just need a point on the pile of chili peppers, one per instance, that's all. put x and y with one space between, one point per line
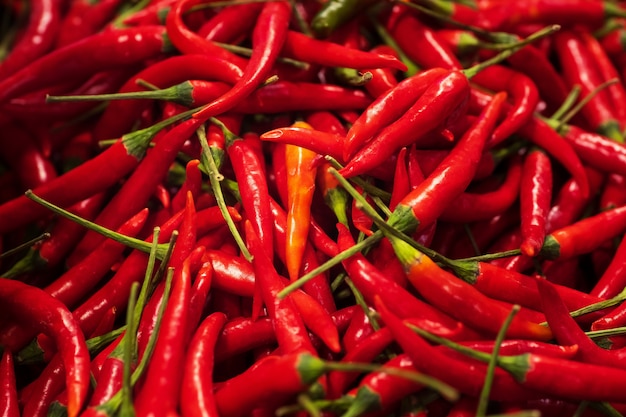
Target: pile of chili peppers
312 207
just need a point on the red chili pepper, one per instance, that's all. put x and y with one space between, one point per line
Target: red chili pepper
258 386
422 206
43 390
323 143
38 37
120 115
383 79
84 18
231 23
580 68
567 332
80 60
522 92
463 375
32 306
189 42
372 283
535 199
512 347
268 38
469 207
192 183
387 108
163 379
139 186
585 235
290 330
420 42
8 387
22 155
380 391
196 398
322 52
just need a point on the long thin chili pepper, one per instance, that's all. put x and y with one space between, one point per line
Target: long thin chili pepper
138 187
579 68
99 173
268 38
420 207
197 389
522 93
43 24
535 199
372 283
462 375
567 331
585 235
469 207
290 330
37 308
611 282
8 384
230 23
84 19
105 50
159 392
301 175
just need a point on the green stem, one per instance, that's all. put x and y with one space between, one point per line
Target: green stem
489 256
336 260
126 406
472 71
616 331
247 52
215 177
118 237
412 67
25 245
618 299
366 186
360 301
483 400
567 104
444 389
582 103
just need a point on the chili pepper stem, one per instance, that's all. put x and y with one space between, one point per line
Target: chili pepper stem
173 93
215 177
126 240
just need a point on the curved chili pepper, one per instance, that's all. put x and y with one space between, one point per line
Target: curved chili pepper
290 330
120 115
8 387
38 37
196 398
230 23
161 387
192 183
521 91
470 207
584 235
535 198
268 38
372 283
33 306
189 42
323 143
139 186
422 206
465 376
512 347
421 43
387 108
43 390
383 79
98 52
84 18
